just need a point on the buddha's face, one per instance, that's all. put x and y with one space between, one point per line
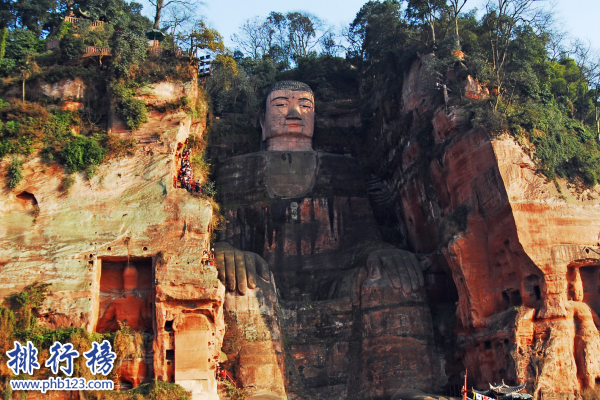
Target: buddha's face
288 122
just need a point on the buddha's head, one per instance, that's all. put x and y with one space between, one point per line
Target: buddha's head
288 118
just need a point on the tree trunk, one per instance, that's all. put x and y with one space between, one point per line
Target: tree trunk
456 23
23 89
159 6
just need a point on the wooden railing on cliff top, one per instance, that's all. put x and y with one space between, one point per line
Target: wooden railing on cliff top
91 51
75 20
52 44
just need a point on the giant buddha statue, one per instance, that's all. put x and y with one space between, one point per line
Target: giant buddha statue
317 304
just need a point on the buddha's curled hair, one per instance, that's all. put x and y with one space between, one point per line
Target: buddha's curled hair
294 86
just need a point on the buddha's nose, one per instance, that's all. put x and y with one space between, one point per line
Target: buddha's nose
293 113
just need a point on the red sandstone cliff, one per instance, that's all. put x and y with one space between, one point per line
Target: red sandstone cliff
526 267
124 246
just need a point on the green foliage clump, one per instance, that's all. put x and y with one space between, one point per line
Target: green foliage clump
82 152
14 173
132 110
72 47
234 393
118 147
454 223
129 51
20 126
31 297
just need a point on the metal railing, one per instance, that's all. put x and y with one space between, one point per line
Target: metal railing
227 376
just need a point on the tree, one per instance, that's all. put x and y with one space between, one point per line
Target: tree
34 14
427 12
179 19
372 24
161 5
254 38
329 44
501 19
279 45
456 6
201 37
7 14
377 32
303 29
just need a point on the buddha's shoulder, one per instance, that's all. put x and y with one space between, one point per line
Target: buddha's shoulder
258 177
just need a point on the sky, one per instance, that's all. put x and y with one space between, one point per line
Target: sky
580 18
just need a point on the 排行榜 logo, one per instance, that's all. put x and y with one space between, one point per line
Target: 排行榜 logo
100 359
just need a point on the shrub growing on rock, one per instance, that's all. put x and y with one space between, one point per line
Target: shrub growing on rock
81 153
14 173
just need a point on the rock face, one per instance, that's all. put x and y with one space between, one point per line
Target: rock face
523 258
124 246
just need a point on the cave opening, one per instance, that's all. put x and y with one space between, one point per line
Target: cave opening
26 198
28 203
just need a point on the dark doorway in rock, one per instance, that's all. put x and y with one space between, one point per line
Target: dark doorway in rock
532 290
590 277
168 326
515 298
537 292
505 300
170 359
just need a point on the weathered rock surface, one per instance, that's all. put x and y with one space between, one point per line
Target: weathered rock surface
524 258
124 246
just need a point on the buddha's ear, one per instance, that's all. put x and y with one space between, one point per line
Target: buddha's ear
261 121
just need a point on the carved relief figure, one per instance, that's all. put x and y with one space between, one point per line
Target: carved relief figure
300 231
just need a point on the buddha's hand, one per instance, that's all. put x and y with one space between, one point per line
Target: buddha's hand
240 269
401 267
